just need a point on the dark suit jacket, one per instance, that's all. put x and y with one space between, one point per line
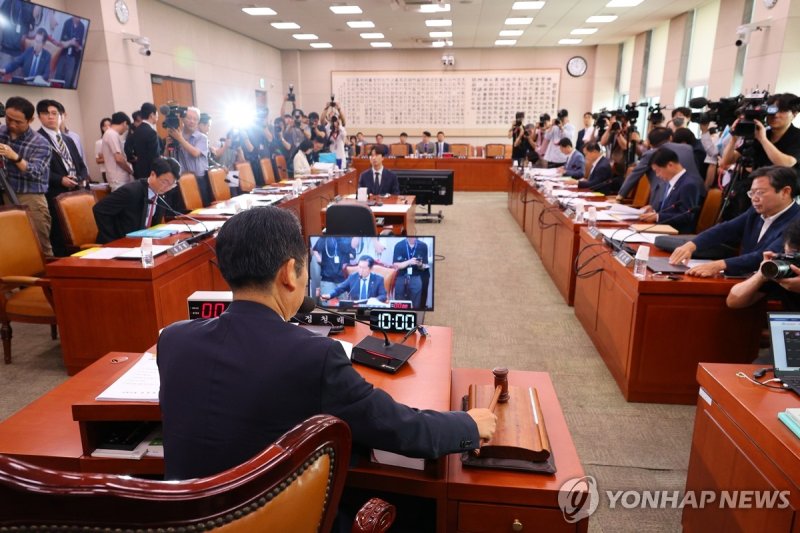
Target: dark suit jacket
742 232
600 178
232 385
57 168
124 211
352 286
389 183
575 165
25 60
440 152
686 158
146 147
682 207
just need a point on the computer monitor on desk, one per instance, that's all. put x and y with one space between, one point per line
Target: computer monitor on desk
360 273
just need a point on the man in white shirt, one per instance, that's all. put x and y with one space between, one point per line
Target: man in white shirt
118 171
560 129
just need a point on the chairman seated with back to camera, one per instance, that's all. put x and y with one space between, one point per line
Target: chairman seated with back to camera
362 284
231 385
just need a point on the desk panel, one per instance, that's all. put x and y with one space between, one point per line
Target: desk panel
471 174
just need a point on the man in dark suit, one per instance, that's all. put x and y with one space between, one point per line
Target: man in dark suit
144 142
35 60
231 385
67 169
362 284
378 180
657 138
135 205
441 146
601 177
757 230
683 196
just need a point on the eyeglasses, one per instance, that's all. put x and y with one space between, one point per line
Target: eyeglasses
753 193
167 182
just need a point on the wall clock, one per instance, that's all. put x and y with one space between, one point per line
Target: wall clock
576 67
121 11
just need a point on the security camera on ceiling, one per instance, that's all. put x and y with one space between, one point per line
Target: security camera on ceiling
143 42
744 31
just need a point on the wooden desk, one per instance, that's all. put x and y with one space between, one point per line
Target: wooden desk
490 500
404 223
471 174
652 333
739 444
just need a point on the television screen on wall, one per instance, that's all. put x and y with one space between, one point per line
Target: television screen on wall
40 46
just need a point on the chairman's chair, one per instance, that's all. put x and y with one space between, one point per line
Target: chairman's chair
399 149
266 170
460 150
388 274
294 485
247 180
283 170
24 295
219 187
74 211
495 151
350 219
190 191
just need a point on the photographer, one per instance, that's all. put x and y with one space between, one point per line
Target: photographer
332 109
336 135
537 139
279 145
519 146
709 136
191 146
559 129
230 151
758 286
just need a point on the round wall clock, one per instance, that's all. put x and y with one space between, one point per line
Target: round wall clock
121 11
576 66
769 4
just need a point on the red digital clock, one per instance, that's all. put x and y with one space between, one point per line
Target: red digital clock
208 304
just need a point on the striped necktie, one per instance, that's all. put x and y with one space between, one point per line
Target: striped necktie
62 149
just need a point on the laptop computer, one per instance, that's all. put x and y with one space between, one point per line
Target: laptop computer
660 265
784 334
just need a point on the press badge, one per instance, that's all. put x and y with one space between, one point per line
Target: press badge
19 28
336 259
410 271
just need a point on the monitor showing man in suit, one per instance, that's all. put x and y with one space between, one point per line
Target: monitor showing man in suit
362 284
34 62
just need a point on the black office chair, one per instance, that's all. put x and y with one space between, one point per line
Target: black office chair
350 219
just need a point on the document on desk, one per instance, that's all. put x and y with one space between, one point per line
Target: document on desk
392 208
108 252
140 383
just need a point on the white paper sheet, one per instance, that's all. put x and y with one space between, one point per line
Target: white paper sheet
140 383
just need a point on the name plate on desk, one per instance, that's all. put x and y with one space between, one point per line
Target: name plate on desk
623 257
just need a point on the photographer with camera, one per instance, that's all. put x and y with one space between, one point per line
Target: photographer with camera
776 277
336 136
190 145
519 144
709 136
230 150
559 129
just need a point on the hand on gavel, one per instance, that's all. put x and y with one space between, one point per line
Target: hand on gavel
486 421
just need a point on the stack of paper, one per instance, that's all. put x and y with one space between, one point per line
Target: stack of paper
121 253
791 418
140 383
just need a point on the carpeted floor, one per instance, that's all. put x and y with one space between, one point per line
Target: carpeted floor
493 291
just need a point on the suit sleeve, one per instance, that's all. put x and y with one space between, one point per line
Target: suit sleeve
341 288
106 211
637 173
377 421
749 262
577 168
729 232
602 173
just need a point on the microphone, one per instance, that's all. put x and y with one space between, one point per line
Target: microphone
696 103
185 244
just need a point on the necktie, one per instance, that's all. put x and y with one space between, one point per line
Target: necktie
363 295
62 149
151 210
34 65
664 200
377 183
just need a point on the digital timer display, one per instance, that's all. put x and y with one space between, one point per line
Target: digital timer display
208 304
394 321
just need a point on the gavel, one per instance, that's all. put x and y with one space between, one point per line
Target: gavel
500 393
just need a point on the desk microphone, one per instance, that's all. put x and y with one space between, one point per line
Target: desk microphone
184 244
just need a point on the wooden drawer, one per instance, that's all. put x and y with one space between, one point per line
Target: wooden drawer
483 518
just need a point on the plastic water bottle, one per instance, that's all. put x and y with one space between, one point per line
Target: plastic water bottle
147 253
591 218
298 186
579 210
640 262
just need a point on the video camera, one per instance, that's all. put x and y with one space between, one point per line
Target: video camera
779 266
172 119
656 116
723 112
631 113
291 96
601 118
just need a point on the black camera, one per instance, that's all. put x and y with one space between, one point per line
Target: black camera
518 118
291 96
173 118
236 138
779 266
656 116
723 112
631 113
754 109
2 110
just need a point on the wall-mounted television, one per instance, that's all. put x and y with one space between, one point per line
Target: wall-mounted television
40 46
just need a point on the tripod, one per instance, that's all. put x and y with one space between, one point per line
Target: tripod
731 195
6 186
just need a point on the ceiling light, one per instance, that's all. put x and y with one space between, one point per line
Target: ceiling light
434 8
285 25
624 3
376 35
321 45
518 21
258 11
440 34
438 23
380 44
305 36
438 44
583 31
570 41
519 6
361 24
601 19
346 10
505 42
511 33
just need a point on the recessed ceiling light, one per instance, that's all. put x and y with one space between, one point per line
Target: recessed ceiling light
321 45
583 31
380 44
440 34
519 6
434 8
438 44
438 23
285 25
361 24
601 19
346 10
518 21
259 11
511 33
376 35
505 42
305 36
624 3
570 41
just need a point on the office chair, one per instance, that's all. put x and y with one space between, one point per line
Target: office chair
495 151
708 215
24 296
247 180
283 170
190 191
219 187
266 170
642 195
74 211
460 150
350 219
293 485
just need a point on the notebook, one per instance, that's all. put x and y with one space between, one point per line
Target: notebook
784 334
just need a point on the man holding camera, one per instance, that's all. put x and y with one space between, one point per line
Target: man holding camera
191 146
559 129
519 144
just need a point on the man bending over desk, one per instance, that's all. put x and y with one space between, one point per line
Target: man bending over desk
232 385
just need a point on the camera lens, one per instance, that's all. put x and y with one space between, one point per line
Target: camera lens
776 270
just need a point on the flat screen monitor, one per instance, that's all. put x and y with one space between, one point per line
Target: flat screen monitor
362 273
40 46
430 187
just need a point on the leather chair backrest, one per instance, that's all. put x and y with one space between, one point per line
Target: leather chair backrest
350 219
642 195
190 191
247 181
74 210
366 149
283 170
710 211
266 170
20 252
460 150
398 150
219 187
495 150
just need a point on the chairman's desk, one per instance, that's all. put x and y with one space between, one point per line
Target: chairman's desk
470 174
739 444
48 432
